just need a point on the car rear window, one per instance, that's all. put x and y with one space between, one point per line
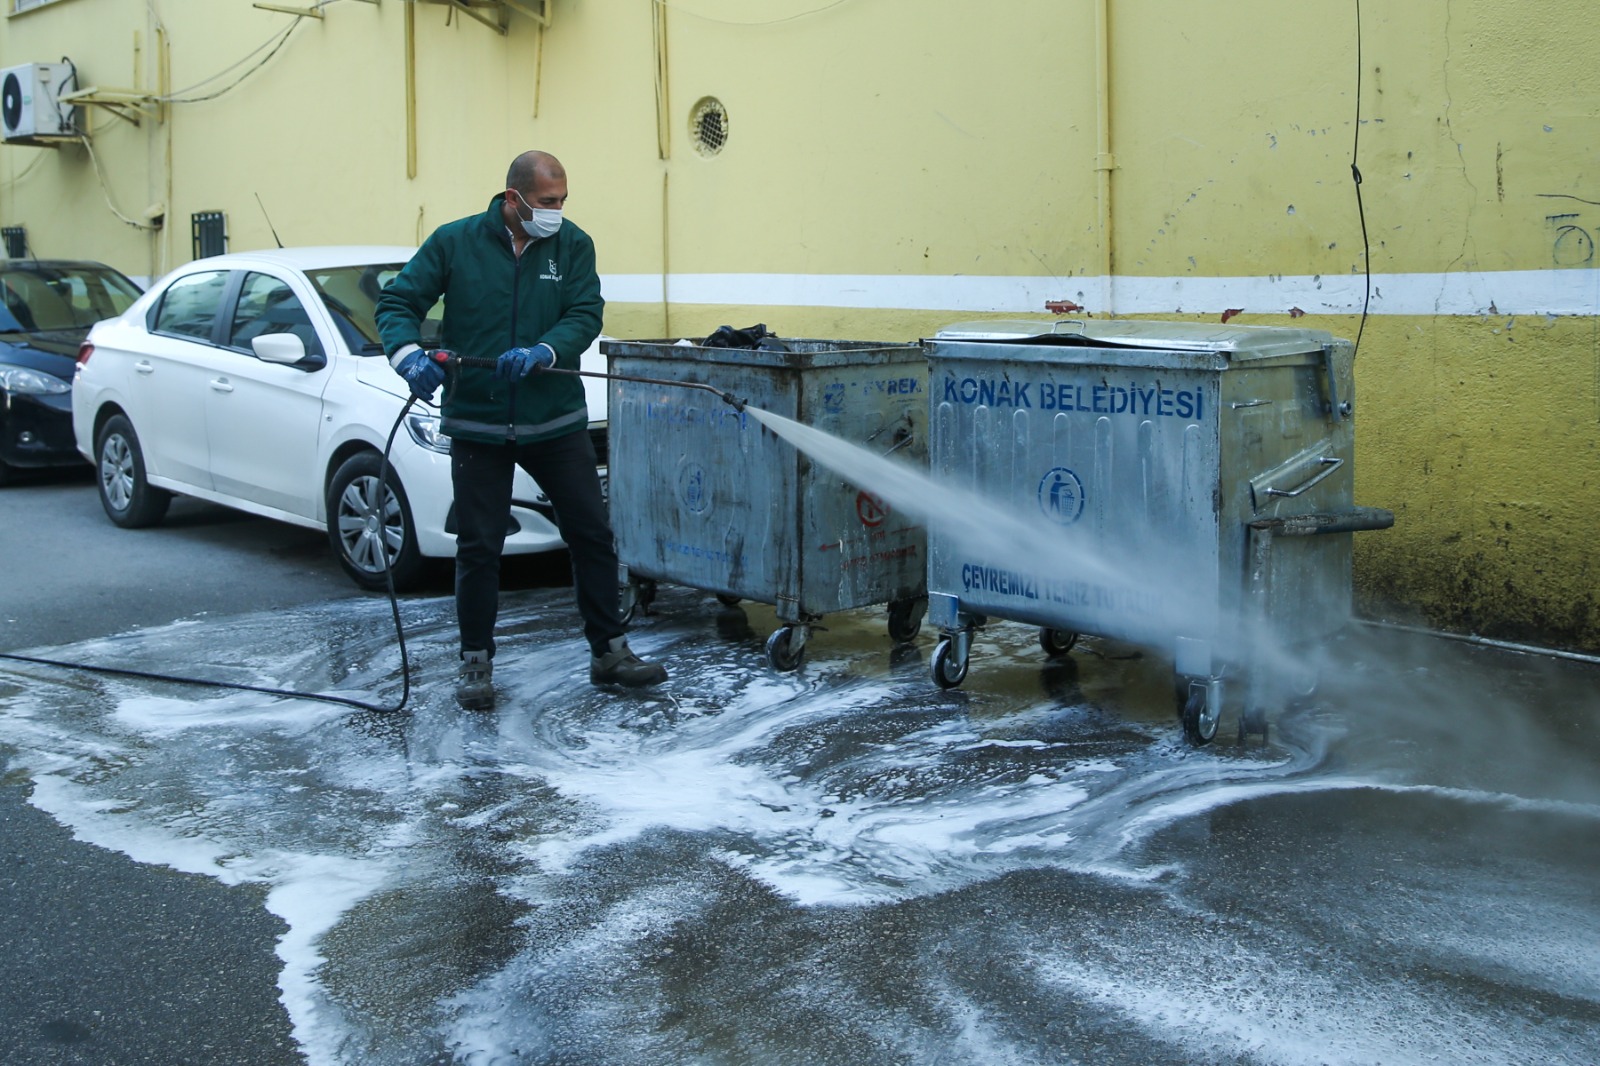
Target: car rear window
189 306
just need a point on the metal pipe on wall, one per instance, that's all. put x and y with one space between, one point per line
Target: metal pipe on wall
411 90
658 27
666 264
1104 161
538 66
163 242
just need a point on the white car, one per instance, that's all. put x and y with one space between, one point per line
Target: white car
256 380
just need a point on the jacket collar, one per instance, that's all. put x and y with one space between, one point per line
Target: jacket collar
495 222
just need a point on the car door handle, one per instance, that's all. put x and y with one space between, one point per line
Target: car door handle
221 385
144 366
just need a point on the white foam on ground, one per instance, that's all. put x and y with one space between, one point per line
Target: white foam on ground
715 775
733 770
159 716
501 1020
1241 1004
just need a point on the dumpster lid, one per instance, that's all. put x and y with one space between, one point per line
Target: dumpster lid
1258 342
798 353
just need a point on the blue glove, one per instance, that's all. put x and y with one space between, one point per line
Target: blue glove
519 362
422 373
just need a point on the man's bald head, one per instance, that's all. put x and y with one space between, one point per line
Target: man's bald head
531 167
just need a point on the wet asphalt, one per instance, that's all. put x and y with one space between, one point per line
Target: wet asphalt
104 960
842 865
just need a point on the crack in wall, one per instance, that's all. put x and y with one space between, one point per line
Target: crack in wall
1466 249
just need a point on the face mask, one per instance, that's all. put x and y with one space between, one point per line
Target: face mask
545 221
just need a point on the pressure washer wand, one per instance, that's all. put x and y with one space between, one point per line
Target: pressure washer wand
450 360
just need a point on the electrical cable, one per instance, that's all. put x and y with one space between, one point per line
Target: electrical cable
275 42
277 37
76 84
345 701
281 39
105 189
88 146
276 34
1361 210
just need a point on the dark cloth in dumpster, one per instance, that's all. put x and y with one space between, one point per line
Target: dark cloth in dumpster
756 338
506 286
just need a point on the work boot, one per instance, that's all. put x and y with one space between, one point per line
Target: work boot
619 666
475 682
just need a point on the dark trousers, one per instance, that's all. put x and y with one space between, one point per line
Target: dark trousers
565 468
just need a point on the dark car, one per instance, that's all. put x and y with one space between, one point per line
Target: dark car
46 309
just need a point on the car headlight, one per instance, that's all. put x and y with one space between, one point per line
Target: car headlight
424 429
25 381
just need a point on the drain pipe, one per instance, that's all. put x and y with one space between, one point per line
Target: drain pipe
1104 162
658 29
1488 642
411 89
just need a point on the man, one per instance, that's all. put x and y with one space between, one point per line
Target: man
519 287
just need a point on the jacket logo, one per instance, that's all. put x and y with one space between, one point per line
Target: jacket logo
552 276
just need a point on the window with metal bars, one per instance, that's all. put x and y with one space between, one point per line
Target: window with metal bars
16 238
210 232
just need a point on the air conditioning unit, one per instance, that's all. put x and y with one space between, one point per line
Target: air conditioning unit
29 102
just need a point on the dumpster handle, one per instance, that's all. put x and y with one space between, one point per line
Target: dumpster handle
1078 323
903 436
901 443
1338 411
1328 463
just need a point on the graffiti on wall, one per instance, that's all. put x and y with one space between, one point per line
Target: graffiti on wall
1573 230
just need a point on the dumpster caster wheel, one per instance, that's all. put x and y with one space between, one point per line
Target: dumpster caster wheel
905 620
948 669
636 600
1300 687
782 651
727 600
1057 642
1199 717
1252 720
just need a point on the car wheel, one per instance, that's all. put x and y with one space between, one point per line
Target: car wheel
129 499
370 525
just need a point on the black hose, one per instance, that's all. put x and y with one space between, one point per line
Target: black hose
388 575
345 701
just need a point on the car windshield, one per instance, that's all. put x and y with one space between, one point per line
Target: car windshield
351 295
39 297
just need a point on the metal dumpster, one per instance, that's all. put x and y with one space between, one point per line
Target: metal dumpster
702 495
1194 485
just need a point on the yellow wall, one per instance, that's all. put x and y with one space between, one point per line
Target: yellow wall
896 165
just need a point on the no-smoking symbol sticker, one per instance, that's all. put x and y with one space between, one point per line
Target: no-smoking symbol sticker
871 510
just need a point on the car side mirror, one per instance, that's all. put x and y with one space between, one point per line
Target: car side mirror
286 348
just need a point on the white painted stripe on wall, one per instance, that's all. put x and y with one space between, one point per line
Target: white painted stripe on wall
1505 292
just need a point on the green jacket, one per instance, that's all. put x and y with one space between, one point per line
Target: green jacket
494 301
